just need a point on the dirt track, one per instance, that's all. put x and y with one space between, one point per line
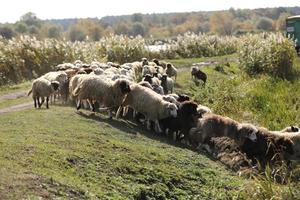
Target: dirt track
15 95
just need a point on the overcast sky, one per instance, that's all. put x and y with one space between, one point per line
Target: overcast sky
11 10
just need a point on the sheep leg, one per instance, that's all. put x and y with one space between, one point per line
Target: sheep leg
157 127
78 104
47 102
92 107
148 124
119 112
40 104
109 114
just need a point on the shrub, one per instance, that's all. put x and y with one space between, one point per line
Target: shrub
270 53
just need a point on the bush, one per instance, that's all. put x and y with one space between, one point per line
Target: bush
270 53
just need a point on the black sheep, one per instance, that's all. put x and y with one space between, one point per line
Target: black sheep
198 74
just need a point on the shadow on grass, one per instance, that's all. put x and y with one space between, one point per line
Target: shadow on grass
131 127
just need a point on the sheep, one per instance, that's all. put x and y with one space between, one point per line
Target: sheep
212 125
147 69
97 71
183 97
150 104
108 93
171 71
61 77
171 99
152 80
167 84
290 129
186 119
42 87
197 74
160 63
158 89
268 146
202 110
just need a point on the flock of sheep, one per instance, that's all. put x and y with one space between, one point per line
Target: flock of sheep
144 90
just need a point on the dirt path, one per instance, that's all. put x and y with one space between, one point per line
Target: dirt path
14 95
18 107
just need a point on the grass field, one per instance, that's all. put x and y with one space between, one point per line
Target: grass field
62 153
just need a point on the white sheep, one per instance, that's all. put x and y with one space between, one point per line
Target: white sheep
41 87
203 110
59 76
108 93
147 69
171 71
150 104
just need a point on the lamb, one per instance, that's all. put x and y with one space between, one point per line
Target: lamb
197 74
167 84
108 93
171 71
212 125
150 104
42 87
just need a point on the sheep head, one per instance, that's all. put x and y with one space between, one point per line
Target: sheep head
55 85
124 86
247 131
172 109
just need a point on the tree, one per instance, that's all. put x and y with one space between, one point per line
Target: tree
6 32
138 29
281 21
122 28
265 23
137 17
221 23
21 27
30 19
76 34
54 32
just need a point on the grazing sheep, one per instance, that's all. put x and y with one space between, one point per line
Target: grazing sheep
150 104
167 84
186 119
198 74
41 87
171 71
212 125
268 147
108 93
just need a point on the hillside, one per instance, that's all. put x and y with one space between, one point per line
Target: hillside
62 153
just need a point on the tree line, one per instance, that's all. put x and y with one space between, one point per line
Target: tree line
156 26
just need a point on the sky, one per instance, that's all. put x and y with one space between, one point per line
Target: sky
12 10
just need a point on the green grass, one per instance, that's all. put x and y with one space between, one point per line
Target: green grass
60 153
12 102
15 88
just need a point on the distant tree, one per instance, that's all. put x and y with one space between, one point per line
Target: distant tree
30 19
21 27
54 32
33 30
122 28
264 23
91 28
221 23
76 34
138 29
6 32
137 17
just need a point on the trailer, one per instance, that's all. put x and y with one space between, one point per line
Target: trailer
293 30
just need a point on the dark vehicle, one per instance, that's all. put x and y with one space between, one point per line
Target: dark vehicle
293 30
